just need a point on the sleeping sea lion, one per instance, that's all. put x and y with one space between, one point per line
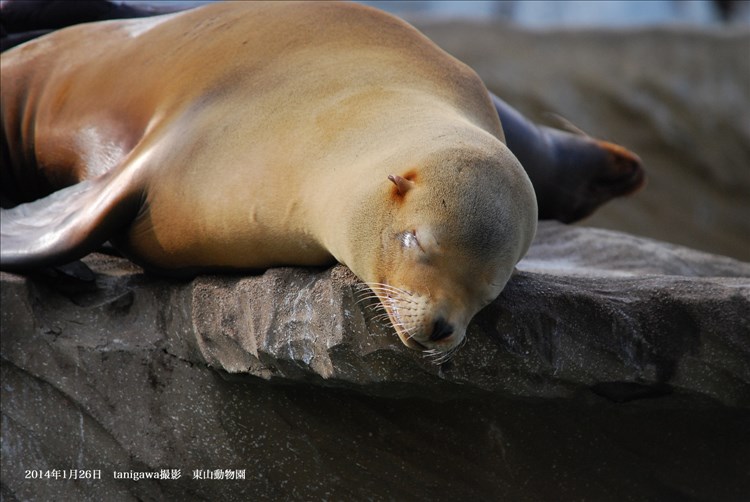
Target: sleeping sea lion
248 135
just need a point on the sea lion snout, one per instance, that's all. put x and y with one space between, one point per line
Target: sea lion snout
422 321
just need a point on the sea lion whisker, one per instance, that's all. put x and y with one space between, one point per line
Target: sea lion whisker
360 288
378 313
381 292
407 296
434 357
368 300
389 297
392 294
397 304
451 353
438 359
399 325
380 316
463 342
396 300
383 286
371 297
445 356
410 332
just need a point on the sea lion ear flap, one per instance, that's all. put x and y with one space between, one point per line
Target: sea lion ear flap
402 184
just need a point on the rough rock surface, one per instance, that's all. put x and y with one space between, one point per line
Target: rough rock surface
611 367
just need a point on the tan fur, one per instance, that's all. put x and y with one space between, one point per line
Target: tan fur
263 134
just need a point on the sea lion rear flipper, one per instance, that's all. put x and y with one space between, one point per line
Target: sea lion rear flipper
64 226
573 173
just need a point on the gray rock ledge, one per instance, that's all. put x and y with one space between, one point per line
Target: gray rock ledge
137 372
586 307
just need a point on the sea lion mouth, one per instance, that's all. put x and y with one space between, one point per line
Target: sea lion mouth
438 341
394 316
412 343
393 302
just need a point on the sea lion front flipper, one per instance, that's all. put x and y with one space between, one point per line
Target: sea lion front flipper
66 225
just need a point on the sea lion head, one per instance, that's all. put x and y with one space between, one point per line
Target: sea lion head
456 224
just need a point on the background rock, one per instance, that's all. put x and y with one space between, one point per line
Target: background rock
621 369
679 98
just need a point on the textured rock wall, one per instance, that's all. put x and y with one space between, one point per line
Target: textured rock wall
619 372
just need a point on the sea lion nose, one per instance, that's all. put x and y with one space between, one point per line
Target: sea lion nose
440 330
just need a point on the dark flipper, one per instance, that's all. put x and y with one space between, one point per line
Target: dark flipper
573 174
66 225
